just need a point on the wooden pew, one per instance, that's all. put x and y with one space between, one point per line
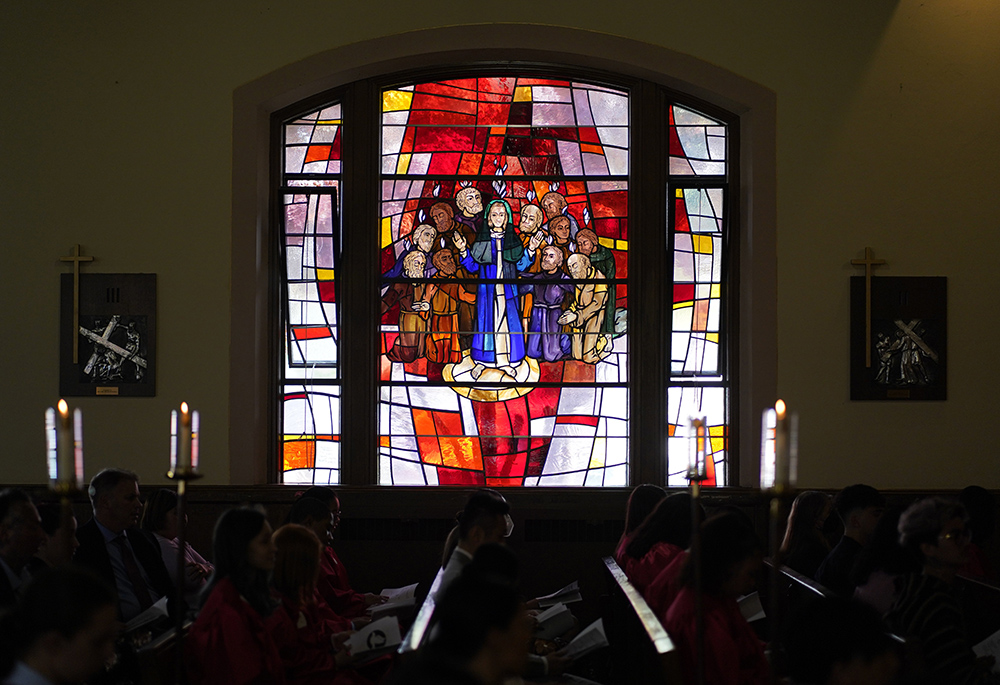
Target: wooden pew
980 600
642 651
417 633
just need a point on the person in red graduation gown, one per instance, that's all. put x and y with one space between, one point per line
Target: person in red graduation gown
309 635
230 641
662 536
319 510
731 560
641 502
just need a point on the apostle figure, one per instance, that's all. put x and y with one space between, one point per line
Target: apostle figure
560 230
586 314
446 299
555 205
414 310
470 207
497 253
443 217
602 260
422 240
550 286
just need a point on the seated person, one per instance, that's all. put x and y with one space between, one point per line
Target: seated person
662 536
836 641
484 519
882 563
859 507
479 636
805 547
926 607
230 642
59 524
118 552
322 518
641 502
159 519
21 535
309 635
731 560
63 629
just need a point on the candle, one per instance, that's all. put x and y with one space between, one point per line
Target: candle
184 440
767 426
781 445
65 448
697 465
77 472
195 430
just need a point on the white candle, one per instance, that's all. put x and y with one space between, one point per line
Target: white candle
781 445
195 430
65 457
184 440
173 441
767 449
77 473
51 444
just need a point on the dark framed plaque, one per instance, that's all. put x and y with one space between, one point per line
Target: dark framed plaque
908 333
117 336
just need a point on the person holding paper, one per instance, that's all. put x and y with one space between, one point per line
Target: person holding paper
859 507
309 635
731 559
319 510
230 642
116 550
926 607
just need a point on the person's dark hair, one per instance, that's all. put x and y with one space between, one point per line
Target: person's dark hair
158 505
641 502
806 510
320 492
496 561
51 515
482 509
726 540
923 521
982 508
883 552
62 599
832 630
855 497
10 498
670 522
472 606
306 508
234 531
107 480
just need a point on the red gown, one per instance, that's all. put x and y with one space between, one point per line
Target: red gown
334 587
733 654
302 633
664 589
643 571
230 643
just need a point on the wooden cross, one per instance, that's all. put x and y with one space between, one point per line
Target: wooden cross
869 264
76 259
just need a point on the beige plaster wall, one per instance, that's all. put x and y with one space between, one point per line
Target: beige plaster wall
115 133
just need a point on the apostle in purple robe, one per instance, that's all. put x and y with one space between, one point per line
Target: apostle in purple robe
549 289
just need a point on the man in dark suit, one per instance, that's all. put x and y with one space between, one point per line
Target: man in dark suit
116 550
21 535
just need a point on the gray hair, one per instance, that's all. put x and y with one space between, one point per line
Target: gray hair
106 481
923 521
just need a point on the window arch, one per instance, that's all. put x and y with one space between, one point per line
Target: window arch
679 188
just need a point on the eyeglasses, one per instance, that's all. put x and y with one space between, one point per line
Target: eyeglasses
956 535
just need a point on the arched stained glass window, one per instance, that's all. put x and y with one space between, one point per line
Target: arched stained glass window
503 288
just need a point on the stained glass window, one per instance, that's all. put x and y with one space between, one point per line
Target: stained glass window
310 426
502 243
696 229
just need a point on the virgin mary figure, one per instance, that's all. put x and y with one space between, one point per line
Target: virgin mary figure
497 253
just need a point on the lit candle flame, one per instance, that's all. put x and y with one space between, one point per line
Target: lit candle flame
779 408
184 407
63 408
